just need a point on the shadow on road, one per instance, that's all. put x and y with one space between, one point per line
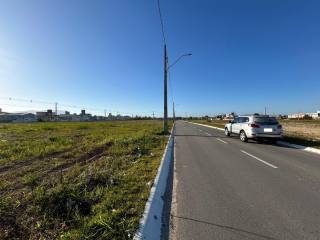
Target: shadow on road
239 231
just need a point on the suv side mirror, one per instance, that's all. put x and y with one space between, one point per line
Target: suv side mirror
231 121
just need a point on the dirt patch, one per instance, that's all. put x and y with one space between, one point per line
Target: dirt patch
28 162
92 155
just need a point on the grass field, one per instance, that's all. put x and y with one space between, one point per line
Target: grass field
76 180
304 132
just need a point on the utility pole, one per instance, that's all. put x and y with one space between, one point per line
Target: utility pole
153 115
165 112
265 110
56 108
173 112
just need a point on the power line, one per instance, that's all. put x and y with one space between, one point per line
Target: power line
162 25
39 104
26 100
164 41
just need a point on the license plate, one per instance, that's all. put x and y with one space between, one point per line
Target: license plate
268 130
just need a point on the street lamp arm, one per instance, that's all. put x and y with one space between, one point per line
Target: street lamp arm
184 55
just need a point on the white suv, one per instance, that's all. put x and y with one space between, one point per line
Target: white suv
255 127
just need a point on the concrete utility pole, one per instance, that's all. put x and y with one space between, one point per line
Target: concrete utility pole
166 68
56 108
173 112
165 110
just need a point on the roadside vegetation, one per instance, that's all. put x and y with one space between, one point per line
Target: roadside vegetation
76 180
302 132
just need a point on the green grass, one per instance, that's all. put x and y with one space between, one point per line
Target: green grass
76 180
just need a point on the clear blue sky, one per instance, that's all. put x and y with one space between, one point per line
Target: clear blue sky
247 54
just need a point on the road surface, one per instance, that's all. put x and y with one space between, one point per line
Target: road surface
226 189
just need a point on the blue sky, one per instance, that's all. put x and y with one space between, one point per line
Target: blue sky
247 54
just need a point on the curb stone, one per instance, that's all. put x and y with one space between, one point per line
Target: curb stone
150 224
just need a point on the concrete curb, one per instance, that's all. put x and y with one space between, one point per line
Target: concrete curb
281 143
151 222
304 148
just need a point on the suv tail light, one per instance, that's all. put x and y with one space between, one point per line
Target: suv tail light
253 125
279 126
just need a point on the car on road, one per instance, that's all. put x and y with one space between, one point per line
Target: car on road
255 127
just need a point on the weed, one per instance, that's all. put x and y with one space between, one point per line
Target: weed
48 128
83 127
30 180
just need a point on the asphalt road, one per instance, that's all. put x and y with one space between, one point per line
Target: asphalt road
226 189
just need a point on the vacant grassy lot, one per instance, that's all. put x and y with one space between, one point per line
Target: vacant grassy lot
76 180
304 132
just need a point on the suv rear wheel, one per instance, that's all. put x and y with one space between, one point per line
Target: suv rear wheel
243 136
226 132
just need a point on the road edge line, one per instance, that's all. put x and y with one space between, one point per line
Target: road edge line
150 223
221 129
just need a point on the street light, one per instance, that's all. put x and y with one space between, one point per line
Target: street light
166 68
178 59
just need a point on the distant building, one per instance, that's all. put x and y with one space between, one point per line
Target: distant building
45 116
315 115
220 117
85 117
100 118
111 117
49 116
280 116
66 117
118 117
230 116
17 117
296 116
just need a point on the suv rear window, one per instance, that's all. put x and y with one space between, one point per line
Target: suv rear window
266 120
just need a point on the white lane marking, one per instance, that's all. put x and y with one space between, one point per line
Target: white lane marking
221 140
269 164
